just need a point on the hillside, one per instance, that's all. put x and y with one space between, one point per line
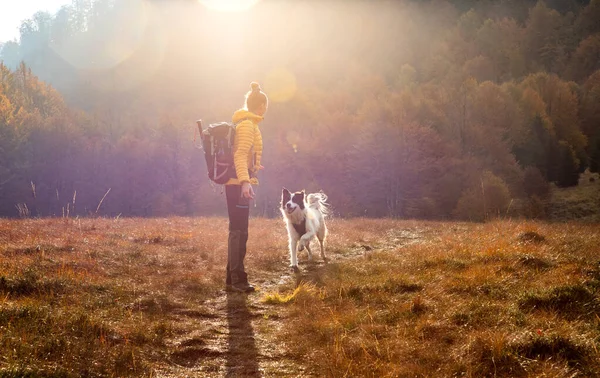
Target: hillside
420 104
581 202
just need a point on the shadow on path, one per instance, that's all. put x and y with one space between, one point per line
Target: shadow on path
242 356
313 273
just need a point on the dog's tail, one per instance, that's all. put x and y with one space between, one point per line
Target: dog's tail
318 201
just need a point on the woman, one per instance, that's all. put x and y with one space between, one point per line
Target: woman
247 151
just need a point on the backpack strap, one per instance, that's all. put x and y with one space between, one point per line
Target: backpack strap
241 120
229 132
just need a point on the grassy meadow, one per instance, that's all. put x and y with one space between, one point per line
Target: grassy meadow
145 297
581 202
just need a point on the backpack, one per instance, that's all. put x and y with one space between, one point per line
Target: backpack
217 143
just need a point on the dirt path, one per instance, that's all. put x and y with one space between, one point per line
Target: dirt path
233 335
236 335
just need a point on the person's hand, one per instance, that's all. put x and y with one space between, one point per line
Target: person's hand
260 167
247 191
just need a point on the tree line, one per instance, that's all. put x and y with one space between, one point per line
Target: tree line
437 109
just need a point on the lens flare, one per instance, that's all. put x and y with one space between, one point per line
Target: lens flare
293 138
115 45
229 5
139 65
280 85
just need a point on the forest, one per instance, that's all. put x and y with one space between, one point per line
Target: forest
417 109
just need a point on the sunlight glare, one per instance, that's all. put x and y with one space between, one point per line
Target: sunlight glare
229 5
115 48
281 85
135 58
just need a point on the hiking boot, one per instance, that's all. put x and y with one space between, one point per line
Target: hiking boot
242 287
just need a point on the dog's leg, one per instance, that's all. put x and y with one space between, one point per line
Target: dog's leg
306 238
322 244
293 256
307 245
321 236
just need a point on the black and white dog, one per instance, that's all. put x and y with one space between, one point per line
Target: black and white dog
304 216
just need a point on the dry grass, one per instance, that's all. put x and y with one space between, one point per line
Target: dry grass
581 202
93 296
144 297
301 291
498 299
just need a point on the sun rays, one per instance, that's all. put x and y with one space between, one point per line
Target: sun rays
229 5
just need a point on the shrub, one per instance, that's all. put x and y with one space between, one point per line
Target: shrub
535 183
488 198
536 208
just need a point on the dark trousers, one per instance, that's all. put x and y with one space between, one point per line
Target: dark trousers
238 209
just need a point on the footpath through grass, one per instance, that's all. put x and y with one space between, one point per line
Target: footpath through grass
144 297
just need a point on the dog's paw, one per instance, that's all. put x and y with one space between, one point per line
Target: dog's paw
295 269
300 247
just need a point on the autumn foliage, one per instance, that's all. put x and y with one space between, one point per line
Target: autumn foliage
392 108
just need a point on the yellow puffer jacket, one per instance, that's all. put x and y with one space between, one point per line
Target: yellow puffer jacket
247 147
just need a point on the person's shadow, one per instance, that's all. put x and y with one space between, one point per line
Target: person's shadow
242 357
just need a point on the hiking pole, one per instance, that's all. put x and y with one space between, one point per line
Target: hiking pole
199 123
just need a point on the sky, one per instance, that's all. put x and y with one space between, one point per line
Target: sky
12 15
13 12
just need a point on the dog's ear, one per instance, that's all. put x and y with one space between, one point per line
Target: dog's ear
286 195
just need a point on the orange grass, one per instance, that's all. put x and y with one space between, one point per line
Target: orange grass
144 297
465 300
